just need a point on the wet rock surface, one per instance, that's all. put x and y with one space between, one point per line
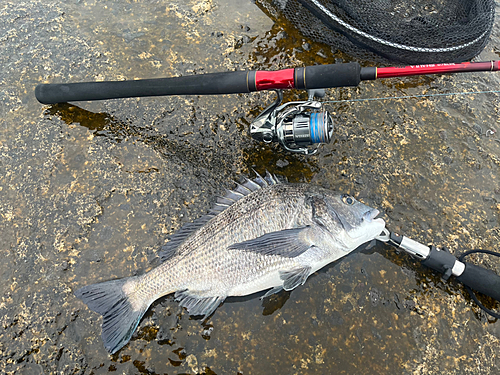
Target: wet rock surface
90 191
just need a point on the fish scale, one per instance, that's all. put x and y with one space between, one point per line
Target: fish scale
264 235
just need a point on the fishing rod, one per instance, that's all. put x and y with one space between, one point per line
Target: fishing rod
470 275
295 125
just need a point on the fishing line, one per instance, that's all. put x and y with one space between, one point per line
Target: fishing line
412 96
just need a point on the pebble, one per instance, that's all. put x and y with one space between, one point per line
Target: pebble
443 135
447 160
282 163
477 129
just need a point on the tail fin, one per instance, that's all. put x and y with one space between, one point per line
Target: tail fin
119 310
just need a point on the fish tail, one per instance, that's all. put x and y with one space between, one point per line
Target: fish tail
119 306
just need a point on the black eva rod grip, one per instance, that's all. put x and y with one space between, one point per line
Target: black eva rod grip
330 75
202 84
481 279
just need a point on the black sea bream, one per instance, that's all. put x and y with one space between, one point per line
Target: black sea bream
263 235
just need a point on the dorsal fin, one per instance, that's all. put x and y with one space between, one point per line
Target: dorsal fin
242 189
267 180
260 180
168 250
271 179
250 184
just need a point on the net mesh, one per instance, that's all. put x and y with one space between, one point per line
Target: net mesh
407 31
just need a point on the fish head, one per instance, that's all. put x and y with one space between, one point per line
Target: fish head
349 222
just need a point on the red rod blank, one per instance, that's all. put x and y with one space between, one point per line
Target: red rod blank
415 70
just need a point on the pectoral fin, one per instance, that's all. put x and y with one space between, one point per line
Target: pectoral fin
295 277
287 243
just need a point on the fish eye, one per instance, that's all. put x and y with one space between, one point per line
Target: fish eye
347 199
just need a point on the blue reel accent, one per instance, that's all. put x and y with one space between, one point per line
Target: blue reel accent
318 126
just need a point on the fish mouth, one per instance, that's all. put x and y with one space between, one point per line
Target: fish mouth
369 228
371 216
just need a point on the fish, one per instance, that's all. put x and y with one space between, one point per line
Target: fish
264 234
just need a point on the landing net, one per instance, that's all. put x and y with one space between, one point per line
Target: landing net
407 31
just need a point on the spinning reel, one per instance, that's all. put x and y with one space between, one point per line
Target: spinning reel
293 125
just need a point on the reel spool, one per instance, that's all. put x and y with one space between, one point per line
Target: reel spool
293 124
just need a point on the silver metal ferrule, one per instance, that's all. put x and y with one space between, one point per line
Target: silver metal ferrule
415 248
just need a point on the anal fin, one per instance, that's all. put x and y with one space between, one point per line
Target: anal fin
198 305
295 277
